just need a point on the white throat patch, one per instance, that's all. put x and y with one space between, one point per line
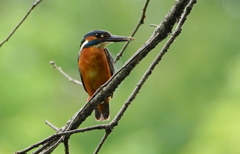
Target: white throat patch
102 45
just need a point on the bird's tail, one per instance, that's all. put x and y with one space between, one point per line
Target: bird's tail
102 112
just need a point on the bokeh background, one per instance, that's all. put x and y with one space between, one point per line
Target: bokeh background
189 105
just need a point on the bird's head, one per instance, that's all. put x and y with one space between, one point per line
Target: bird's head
101 38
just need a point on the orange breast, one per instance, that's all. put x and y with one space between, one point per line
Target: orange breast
94 68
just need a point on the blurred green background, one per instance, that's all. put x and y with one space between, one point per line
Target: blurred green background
189 105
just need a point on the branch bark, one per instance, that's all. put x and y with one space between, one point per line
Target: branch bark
20 23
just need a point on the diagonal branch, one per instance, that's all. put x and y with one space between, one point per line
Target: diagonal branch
65 74
19 24
148 72
104 138
53 137
160 33
119 55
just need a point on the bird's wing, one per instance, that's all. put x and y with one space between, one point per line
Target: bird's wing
81 74
110 61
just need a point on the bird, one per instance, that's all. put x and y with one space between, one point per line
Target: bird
96 65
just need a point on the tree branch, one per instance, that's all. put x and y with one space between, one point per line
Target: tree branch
160 33
19 24
66 145
65 74
119 55
104 138
52 126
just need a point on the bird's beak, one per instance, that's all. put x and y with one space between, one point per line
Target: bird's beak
115 38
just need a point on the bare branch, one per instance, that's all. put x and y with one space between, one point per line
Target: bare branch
19 24
119 55
153 25
52 126
48 147
36 145
65 74
104 138
97 127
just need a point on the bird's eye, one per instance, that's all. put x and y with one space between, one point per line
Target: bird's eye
99 35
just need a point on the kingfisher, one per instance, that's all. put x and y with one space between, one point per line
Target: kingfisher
96 65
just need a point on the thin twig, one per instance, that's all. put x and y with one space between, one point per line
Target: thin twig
104 138
153 25
143 16
52 126
19 24
65 74
70 132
